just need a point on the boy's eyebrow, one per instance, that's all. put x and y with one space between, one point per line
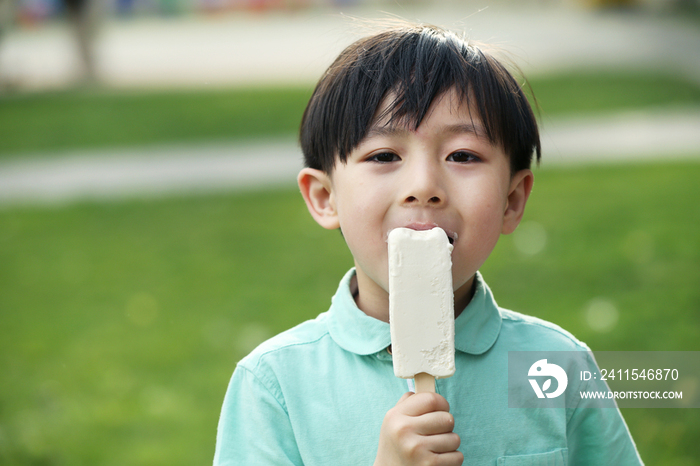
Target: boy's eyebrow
387 130
473 128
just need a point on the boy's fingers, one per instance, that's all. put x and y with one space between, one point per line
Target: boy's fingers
438 422
444 443
454 458
422 403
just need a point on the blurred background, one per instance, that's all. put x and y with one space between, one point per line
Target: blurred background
151 233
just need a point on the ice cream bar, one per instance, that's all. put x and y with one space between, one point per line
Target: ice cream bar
421 303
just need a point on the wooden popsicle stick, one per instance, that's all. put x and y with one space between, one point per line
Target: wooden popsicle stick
425 383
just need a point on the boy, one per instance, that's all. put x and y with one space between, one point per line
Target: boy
411 127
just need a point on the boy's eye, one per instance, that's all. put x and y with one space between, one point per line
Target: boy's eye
384 157
462 157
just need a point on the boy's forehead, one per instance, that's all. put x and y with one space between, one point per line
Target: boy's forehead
448 112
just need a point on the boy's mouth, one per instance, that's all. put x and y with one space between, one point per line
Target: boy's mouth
451 235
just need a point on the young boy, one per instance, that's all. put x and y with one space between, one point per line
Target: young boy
411 127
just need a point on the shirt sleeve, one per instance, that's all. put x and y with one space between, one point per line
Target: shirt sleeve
598 435
254 427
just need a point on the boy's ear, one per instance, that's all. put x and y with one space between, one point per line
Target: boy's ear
316 189
519 192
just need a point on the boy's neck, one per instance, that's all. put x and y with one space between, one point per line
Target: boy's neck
370 297
464 294
374 301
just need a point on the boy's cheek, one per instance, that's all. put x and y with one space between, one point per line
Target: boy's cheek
372 258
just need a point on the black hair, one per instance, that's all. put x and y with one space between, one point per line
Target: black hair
414 64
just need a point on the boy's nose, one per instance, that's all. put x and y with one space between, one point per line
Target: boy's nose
434 200
424 187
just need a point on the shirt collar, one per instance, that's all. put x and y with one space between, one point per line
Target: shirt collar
476 328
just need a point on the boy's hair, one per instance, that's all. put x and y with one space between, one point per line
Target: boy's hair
414 64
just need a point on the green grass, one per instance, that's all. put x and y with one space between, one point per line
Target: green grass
90 119
51 122
592 92
123 321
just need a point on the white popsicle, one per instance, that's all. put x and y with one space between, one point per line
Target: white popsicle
421 305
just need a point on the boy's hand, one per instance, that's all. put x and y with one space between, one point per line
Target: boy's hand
418 431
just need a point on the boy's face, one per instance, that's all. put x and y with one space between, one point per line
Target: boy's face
445 173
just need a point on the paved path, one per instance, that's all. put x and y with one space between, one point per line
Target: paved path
147 172
186 169
284 47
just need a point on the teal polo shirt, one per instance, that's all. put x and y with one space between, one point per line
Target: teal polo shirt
317 394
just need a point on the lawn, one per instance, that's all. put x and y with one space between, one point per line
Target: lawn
97 119
123 321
